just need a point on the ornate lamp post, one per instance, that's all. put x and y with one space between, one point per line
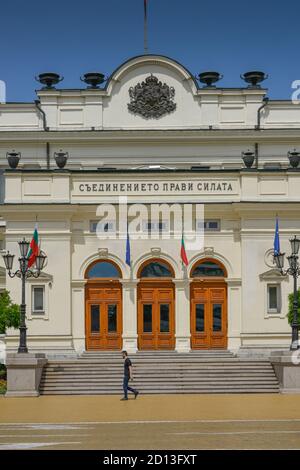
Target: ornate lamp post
23 273
293 270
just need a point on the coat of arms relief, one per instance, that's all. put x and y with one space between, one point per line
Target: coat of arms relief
151 98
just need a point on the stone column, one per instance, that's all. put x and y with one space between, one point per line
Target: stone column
78 315
182 315
129 295
234 313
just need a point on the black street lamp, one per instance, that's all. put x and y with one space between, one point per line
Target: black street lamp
293 270
23 273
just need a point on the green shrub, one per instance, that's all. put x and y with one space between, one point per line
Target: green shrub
2 379
9 313
290 312
2 372
2 387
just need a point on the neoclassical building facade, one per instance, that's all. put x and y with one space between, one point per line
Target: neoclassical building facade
151 136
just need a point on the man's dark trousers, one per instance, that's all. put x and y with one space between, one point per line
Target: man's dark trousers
126 388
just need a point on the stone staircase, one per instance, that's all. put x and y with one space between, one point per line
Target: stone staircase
213 371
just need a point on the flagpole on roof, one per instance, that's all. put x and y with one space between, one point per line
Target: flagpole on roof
145 28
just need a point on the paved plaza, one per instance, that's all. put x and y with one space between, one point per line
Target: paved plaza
152 422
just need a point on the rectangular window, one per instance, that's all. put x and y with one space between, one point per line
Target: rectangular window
95 318
209 225
155 226
217 317
274 298
164 318
102 227
147 318
112 318
199 318
38 299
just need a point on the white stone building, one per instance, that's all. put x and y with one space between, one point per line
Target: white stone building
230 295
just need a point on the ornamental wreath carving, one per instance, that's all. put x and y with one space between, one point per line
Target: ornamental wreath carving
151 98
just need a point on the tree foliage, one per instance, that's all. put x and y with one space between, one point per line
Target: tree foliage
9 313
290 312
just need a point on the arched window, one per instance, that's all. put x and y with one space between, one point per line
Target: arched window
103 269
208 268
156 269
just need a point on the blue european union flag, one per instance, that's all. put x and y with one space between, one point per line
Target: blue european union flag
276 239
128 250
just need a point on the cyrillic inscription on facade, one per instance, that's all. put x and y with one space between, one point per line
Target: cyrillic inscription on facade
159 187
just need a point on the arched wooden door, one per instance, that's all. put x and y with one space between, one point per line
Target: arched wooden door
156 314
103 307
208 306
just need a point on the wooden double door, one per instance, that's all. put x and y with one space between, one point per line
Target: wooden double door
103 317
209 315
156 317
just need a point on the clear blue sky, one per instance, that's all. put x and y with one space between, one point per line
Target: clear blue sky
74 37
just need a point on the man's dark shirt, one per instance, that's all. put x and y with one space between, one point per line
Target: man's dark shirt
127 364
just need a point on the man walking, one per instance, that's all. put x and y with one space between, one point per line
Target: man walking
127 376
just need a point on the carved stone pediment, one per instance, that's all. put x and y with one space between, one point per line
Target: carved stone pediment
151 98
43 277
272 275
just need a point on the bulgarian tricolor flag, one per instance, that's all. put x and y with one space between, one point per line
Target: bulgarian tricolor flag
34 247
183 252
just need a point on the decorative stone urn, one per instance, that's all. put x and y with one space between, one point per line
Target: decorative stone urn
61 158
248 158
294 158
49 79
93 79
209 78
13 159
254 78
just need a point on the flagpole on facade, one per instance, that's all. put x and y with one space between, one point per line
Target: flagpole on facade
183 254
145 28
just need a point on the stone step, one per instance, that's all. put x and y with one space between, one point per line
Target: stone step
253 388
159 352
157 367
158 373
150 385
138 377
158 363
154 381
59 376
163 372
169 392
160 356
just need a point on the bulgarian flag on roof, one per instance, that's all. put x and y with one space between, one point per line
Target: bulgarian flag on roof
34 247
183 252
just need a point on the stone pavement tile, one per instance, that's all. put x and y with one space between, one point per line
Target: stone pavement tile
204 434
60 409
